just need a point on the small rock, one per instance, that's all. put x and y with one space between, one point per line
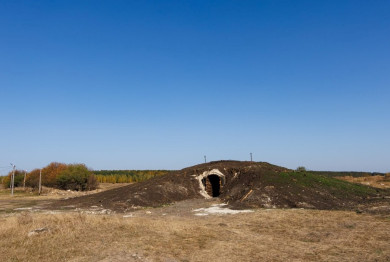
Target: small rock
37 231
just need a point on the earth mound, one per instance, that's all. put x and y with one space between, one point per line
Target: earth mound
240 184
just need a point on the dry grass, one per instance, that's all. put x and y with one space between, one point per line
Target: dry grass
265 235
27 197
374 181
52 193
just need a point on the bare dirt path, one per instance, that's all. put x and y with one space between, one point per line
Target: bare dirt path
30 200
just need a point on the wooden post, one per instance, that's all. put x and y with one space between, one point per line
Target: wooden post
13 180
40 182
24 180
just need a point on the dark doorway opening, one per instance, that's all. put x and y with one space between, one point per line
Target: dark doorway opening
212 184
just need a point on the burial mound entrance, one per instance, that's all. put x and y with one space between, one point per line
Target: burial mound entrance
211 183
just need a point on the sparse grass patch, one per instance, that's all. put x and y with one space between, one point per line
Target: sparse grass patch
259 236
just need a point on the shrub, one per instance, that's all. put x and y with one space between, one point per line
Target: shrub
92 182
76 177
51 172
32 179
19 177
59 175
301 169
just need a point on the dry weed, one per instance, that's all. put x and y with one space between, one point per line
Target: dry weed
265 235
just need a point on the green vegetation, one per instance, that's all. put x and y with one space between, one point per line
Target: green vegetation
353 174
76 177
19 177
304 180
127 176
59 175
301 169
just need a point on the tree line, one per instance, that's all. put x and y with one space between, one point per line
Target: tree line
127 176
58 175
76 177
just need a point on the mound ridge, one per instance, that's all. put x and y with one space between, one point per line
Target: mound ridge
240 184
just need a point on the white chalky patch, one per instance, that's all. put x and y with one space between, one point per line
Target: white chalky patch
23 208
218 209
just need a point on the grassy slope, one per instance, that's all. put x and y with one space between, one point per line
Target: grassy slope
308 180
353 174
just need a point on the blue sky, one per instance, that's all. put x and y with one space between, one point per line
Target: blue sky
160 84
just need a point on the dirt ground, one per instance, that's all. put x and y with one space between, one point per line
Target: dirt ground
175 223
187 231
28 199
190 230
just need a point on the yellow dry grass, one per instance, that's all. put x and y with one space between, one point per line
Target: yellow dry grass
374 181
52 193
264 235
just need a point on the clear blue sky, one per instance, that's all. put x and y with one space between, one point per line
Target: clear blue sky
160 84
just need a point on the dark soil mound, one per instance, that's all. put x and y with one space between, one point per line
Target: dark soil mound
241 184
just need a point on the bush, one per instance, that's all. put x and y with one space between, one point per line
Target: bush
19 177
92 182
301 169
76 177
63 176
51 172
32 179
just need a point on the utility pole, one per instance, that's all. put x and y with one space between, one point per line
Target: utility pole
40 182
24 180
205 159
251 157
12 179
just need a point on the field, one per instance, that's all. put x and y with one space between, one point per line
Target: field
374 181
136 222
175 233
29 198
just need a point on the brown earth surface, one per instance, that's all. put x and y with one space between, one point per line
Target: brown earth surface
241 185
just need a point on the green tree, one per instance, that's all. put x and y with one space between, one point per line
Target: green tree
76 177
19 177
